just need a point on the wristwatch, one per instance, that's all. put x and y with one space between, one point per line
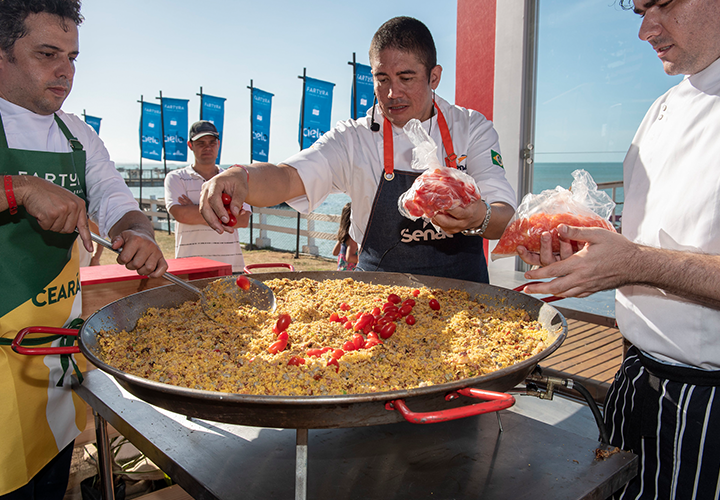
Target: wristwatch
479 231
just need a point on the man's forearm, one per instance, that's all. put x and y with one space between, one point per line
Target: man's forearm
690 275
273 184
187 214
134 221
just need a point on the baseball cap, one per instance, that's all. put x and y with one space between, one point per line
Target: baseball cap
201 129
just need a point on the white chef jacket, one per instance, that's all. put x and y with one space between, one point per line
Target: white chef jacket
200 240
349 159
672 201
109 196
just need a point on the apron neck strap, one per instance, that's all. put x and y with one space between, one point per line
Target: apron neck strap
451 158
74 143
3 139
388 150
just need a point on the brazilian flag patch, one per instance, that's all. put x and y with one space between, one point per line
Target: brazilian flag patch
496 158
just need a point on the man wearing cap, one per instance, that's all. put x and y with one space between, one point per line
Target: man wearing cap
193 237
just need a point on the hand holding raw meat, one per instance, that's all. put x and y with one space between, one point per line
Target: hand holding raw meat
582 206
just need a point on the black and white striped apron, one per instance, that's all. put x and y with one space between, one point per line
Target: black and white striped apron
670 417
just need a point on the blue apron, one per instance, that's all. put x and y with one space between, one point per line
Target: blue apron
394 243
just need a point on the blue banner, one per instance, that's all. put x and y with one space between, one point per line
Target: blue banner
317 96
261 106
175 126
213 110
365 90
151 131
94 122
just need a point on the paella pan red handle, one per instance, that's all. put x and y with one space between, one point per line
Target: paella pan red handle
552 298
41 351
493 401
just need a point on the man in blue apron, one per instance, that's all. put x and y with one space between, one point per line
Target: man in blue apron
370 158
55 171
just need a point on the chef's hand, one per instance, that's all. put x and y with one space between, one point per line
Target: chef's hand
473 215
135 235
55 208
546 256
233 182
455 220
603 263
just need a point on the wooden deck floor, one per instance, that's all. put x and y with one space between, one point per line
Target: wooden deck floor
591 355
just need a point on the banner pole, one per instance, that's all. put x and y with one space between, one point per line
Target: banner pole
201 103
353 111
302 140
162 131
142 117
252 114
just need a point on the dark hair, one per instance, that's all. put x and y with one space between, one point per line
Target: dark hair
14 12
406 34
344 228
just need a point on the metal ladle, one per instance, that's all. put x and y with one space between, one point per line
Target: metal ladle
259 295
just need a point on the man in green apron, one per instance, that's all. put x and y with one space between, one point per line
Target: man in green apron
55 173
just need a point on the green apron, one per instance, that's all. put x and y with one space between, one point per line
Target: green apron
40 287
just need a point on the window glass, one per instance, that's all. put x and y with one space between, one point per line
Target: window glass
595 81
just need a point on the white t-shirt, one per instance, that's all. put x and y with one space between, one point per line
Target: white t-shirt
109 196
349 159
199 240
672 201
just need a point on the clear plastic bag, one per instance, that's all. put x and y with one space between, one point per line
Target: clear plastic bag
439 188
582 205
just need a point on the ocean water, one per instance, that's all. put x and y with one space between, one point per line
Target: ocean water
546 176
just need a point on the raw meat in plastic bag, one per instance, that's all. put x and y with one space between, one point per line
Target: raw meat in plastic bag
439 188
583 206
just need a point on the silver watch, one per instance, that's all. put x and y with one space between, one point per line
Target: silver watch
479 231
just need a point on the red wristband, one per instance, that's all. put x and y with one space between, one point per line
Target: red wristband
246 171
12 204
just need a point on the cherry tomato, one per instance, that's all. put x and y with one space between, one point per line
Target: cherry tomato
338 353
405 310
279 344
372 343
334 318
334 361
434 304
386 305
296 361
409 302
349 346
372 335
376 312
358 340
283 322
226 199
390 309
364 320
243 282
387 331
348 325
232 220
410 319
416 293
367 329
344 307
395 299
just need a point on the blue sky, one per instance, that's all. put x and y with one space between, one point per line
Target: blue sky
131 48
596 78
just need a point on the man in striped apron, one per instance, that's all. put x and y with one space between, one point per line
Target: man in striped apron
55 171
664 404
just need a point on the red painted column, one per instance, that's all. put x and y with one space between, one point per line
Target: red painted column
475 57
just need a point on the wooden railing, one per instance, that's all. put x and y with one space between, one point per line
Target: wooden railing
259 232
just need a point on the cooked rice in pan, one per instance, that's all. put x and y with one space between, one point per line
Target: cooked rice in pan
462 338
